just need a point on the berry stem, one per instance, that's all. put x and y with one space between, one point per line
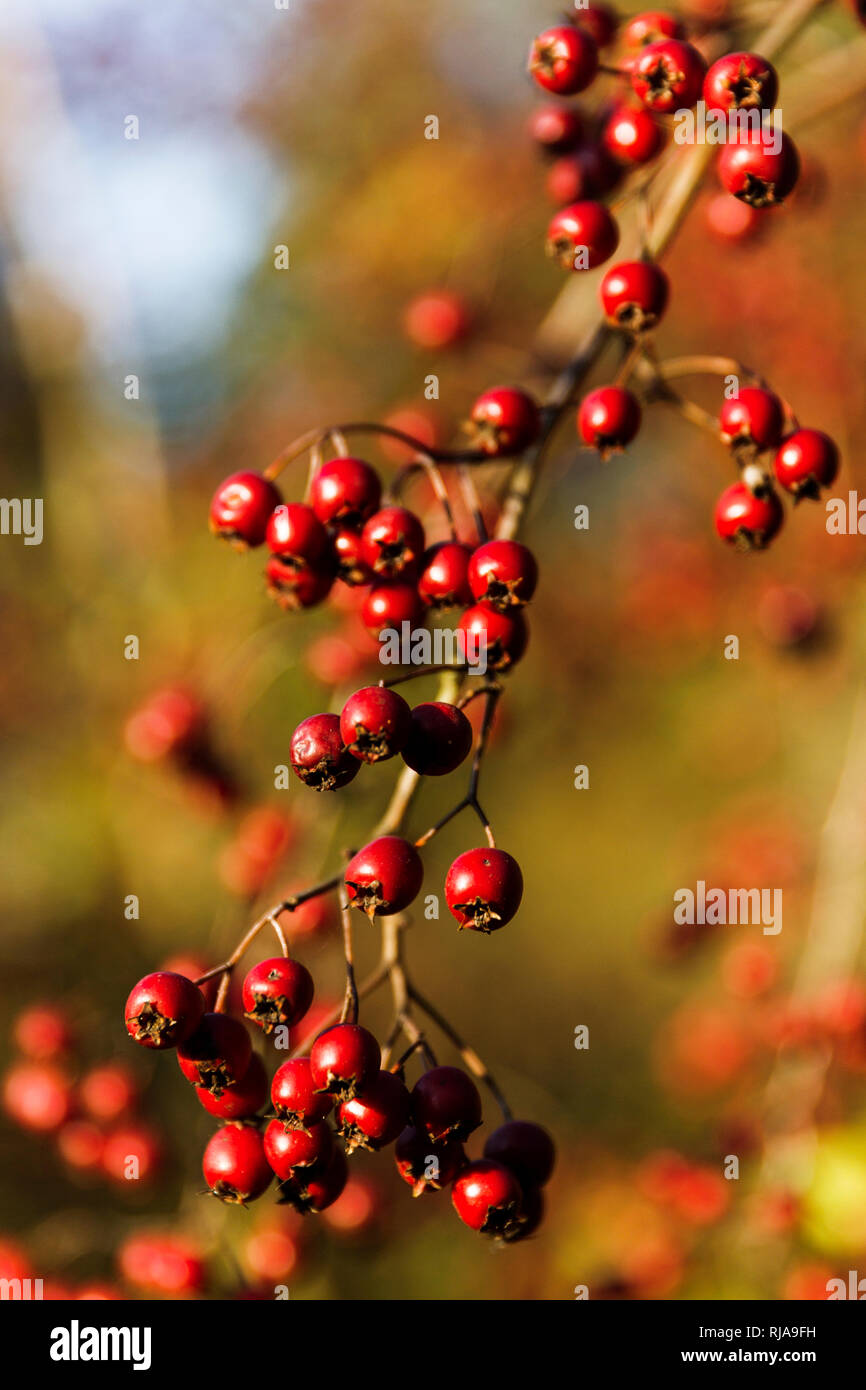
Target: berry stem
350 1003
469 1055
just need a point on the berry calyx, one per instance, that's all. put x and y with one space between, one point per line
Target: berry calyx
296 536
746 521
443 582
277 991
348 550
608 419
499 638
446 1104
632 135
427 1166
163 1009
440 737
385 876
761 168
376 1115
217 1054
295 586
289 1150
234 1165
564 59
345 491
343 1059
525 1148
241 1100
741 82
392 542
504 421
483 889
487 1197
582 236
807 460
634 295
374 723
294 1097
318 755
241 508
314 1189
503 574
668 75
753 419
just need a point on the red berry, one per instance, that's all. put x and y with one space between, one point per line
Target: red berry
487 1197
556 128
234 1165
81 1145
761 168
807 460
597 19
170 724
632 135
754 418
741 81
525 1148
217 1055
163 1010
299 586
314 1189
392 542
352 568
243 1099
588 173
297 1102
427 1166
564 59
108 1091
500 638
608 419
296 535
443 582
277 991
241 508
503 574
37 1095
651 25
389 606
319 756
483 889
343 1059
345 491
162 1263
446 1104
503 421
132 1154
582 236
376 1115
385 876
440 737
634 295
729 220
437 319
746 521
668 75
42 1032
288 1150
374 724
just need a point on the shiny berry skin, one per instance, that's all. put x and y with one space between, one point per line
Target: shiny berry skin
741 81
374 723
651 25
751 170
234 1165
392 542
446 1104
348 550
43 1031
343 1059
242 507
599 20
634 295
632 135
608 419
388 606
746 521
582 236
443 582
318 755
500 638
376 1115
345 491
315 1189
440 737
525 1148
503 574
437 319
483 889
487 1197
564 59
296 535
427 1166
295 1099
668 75
556 129
287 1150
277 991
385 876
242 1100
588 173
163 1010
754 417
504 421
295 586
807 460
217 1055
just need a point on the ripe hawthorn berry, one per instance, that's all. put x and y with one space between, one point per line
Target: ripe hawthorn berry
37 1095
529 1216
598 20
163 1009
392 542
217 1055
651 25
277 991
500 637
437 319
296 587
806 461
345 491
746 521
243 1099
348 551
294 1097
556 128
564 59
385 876
634 295
162 1263
374 723
81 1145
588 173
752 419
608 419
234 1165
315 1189
446 1104
440 737
443 582
757 171
318 755
582 236
632 135
525 1148
343 1059
288 1150
131 1153
296 536
376 1115
487 1197
503 421
108 1091
43 1031
668 75
483 889
503 574
427 1166
741 81
388 606
241 508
